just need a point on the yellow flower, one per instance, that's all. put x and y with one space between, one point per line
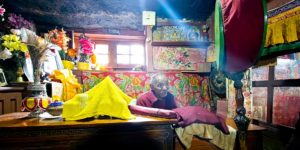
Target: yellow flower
13 43
23 47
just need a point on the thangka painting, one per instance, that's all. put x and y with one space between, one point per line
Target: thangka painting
259 103
178 58
287 69
189 89
260 74
286 106
176 33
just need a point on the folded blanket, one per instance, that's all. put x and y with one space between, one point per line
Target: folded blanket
184 115
155 112
196 114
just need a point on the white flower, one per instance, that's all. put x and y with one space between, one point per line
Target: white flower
5 54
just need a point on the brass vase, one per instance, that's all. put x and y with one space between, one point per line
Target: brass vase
20 72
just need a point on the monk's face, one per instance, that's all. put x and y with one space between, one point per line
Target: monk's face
160 87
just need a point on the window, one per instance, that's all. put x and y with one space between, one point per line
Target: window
101 51
117 51
276 98
130 54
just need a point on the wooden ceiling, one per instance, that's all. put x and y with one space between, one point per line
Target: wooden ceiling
113 15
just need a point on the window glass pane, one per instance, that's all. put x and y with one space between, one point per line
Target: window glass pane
122 49
136 59
137 50
123 59
102 59
101 49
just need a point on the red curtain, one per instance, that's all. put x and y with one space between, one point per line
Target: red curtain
244 23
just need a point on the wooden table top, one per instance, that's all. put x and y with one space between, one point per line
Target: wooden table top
21 120
11 89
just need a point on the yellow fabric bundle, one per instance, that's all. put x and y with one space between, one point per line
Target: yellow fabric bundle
106 98
71 87
284 27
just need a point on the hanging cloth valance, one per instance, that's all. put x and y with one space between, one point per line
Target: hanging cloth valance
283 32
284 28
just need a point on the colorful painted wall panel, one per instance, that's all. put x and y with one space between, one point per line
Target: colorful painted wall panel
190 89
287 69
260 73
286 106
178 58
259 103
177 33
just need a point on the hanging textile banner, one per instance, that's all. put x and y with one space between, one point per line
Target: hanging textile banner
243 25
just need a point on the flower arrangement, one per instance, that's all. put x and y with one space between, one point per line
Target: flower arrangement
85 49
18 22
13 48
37 48
2 11
59 38
68 55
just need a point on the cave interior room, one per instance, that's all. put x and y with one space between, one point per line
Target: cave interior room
150 74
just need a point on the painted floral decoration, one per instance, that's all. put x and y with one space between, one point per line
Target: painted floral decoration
180 59
85 49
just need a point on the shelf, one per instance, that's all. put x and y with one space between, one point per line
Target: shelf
176 23
183 43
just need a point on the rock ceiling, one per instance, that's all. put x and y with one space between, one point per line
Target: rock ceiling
101 14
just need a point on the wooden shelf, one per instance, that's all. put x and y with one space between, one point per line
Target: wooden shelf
183 43
176 23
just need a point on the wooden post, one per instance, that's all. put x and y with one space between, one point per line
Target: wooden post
242 122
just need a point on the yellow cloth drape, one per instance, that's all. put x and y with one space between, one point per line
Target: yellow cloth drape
283 28
209 132
71 86
106 98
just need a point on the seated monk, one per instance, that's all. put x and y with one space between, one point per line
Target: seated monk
158 96
192 120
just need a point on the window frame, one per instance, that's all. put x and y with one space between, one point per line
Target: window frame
112 41
270 84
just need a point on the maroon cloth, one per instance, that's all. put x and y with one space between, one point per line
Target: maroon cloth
148 99
156 112
243 33
196 114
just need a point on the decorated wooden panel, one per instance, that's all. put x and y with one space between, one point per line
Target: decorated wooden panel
260 73
286 105
190 89
178 58
287 69
177 33
259 103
